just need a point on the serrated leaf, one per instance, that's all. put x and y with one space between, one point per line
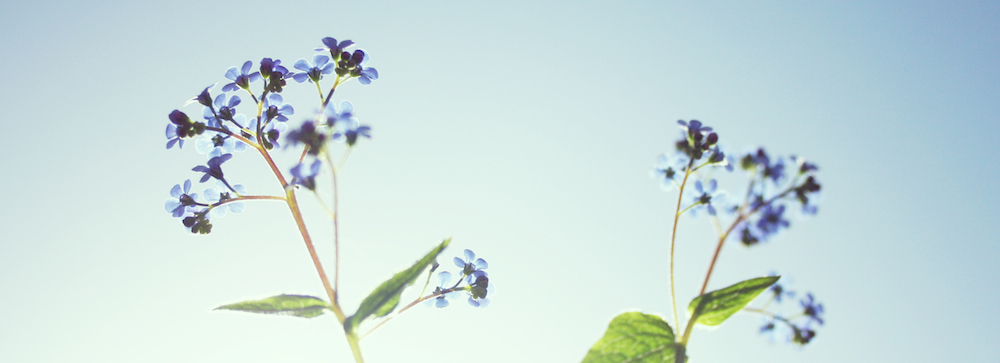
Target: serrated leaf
637 338
384 299
303 306
715 307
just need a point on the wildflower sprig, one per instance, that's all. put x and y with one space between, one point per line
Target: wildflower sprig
756 217
224 131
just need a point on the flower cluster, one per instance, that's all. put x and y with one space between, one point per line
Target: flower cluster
476 281
224 131
799 328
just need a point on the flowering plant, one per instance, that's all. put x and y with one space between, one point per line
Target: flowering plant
223 132
757 216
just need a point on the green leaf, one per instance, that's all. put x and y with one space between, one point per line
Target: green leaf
296 305
384 299
715 307
636 337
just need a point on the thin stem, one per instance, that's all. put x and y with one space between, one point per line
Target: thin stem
332 89
673 238
336 227
297 214
320 90
412 304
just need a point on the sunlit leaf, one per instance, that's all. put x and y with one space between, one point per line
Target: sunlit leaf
638 338
715 307
295 305
384 299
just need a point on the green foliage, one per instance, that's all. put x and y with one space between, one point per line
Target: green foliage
295 305
636 337
715 307
385 297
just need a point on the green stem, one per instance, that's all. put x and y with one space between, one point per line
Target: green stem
673 238
352 339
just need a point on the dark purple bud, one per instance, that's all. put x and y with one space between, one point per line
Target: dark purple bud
712 139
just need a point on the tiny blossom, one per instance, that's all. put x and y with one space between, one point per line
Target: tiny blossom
778 291
173 137
241 78
276 109
306 176
802 165
707 196
335 48
204 98
802 192
220 144
444 280
771 220
214 196
273 132
812 309
314 70
309 135
470 265
346 127
181 199
214 168
669 170
759 162
221 109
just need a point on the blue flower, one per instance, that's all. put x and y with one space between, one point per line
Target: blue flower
173 137
771 220
335 48
214 196
307 134
313 71
306 176
778 292
365 74
220 144
669 170
812 309
204 98
444 280
707 196
470 265
276 109
346 127
182 200
222 107
803 193
240 78
214 168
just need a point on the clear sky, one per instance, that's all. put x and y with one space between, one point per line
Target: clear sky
525 131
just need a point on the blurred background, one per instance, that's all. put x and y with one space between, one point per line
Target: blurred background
525 131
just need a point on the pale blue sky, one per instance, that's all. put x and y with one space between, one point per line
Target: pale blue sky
525 131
